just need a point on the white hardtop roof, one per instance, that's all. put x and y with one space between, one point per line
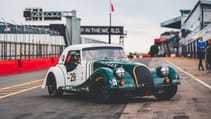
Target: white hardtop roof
90 45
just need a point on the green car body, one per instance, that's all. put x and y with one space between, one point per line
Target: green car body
153 81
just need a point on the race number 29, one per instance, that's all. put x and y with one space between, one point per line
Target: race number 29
72 77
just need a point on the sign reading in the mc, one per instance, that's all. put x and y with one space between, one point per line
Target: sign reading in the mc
102 30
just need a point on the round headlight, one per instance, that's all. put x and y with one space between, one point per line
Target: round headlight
120 73
164 70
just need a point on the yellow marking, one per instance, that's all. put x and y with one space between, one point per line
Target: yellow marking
18 92
3 93
20 88
136 81
21 84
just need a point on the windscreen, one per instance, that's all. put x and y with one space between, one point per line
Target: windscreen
103 53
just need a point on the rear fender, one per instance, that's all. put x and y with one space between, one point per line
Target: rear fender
59 76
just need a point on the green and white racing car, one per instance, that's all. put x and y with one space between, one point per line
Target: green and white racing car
103 70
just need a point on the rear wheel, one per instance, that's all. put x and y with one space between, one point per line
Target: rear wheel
99 90
167 93
52 86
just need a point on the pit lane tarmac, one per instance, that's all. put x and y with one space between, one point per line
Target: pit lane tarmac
20 88
192 101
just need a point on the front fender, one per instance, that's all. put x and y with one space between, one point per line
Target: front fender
59 76
112 82
107 72
159 80
108 76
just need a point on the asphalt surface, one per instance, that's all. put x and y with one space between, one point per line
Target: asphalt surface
192 101
10 80
190 66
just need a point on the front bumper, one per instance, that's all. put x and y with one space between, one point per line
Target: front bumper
132 92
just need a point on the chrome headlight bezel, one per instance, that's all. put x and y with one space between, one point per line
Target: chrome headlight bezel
164 70
120 72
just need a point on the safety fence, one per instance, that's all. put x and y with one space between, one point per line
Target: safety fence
21 50
19 57
28 47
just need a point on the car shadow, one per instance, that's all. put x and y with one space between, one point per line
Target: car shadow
114 100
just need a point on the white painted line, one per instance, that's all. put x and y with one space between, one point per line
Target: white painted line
196 79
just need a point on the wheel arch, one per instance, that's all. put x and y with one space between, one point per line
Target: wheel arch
58 74
101 77
107 72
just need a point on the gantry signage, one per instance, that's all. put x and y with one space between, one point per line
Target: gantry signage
102 30
37 14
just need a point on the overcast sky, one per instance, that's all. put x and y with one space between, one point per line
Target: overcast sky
140 18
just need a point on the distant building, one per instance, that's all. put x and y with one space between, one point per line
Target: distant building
168 43
192 24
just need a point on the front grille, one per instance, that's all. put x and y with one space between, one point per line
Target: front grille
144 77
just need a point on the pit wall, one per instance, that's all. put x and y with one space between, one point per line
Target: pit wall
8 67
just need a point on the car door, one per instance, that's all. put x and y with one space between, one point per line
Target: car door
74 68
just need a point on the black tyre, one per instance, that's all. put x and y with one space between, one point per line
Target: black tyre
52 86
167 94
99 90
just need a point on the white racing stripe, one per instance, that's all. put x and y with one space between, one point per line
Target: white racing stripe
89 68
196 79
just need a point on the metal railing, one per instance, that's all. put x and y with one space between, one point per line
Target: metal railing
27 42
20 50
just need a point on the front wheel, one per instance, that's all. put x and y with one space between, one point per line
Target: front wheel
167 93
99 91
52 86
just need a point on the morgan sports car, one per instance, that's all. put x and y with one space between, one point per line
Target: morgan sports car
103 70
